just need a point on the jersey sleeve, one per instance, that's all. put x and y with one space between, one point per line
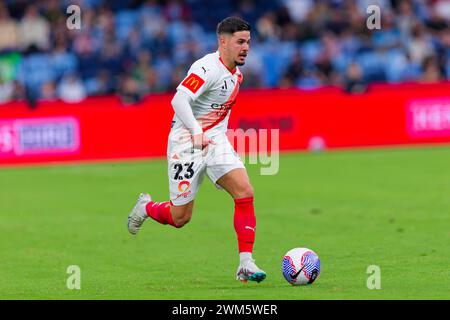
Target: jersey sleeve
198 80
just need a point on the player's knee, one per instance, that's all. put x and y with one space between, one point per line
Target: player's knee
181 215
245 191
182 219
181 222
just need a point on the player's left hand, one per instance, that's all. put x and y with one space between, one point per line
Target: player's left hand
201 141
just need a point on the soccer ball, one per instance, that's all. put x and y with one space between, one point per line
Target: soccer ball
301 266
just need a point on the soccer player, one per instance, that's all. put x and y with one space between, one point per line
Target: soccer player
198 145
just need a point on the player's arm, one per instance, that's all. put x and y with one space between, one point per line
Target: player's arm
181 104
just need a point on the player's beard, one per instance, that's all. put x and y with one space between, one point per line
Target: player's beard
238 61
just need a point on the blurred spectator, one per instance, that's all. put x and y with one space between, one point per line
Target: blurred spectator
19 92
129 90
354 80
110 57
71 89
442 8
101 84
34 30
11 91
310 79
53 12
298 10
175 10
247 10
6 90
420 46
48 91
141 70
9 31
324 61
405 19
294 71
431 70
267 27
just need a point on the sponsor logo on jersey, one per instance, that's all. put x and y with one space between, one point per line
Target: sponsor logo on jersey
193 82
183 187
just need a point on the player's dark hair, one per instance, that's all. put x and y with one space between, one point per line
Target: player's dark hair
231 25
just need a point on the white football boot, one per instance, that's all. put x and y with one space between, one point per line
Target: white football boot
138 215
248 270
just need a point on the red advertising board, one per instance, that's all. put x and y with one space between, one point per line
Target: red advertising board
39 136
101 128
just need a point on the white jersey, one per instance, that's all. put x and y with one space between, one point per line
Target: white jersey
213 89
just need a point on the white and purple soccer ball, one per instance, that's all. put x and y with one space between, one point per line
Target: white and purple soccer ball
301 266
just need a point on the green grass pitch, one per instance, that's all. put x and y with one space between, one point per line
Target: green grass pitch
384 207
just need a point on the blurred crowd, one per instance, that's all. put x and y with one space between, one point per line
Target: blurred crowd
137 47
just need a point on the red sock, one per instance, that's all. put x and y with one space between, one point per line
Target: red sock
160 211
245 223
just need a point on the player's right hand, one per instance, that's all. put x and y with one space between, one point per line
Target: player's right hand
201 141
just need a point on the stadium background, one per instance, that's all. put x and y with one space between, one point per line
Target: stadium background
315 72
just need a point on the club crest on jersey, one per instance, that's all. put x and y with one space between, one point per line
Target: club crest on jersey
193 82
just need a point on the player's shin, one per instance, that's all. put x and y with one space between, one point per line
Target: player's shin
245 224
